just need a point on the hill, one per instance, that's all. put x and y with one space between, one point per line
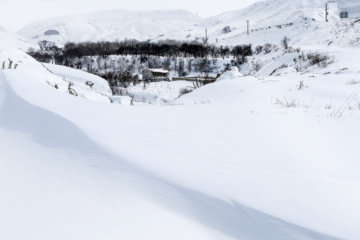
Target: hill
269 151
111 25
269 21
9 38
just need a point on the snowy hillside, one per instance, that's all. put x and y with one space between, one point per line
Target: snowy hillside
56 78
244 158
267 152
112 25
303 21
271 12
269 21
11 39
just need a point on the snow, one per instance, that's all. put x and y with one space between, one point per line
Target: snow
159 70
206 166
269 21
251 156
100 89
112 25
11 39
303 21
57 81
233 73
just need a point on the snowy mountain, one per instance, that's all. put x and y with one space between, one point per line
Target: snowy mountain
269 21
111 25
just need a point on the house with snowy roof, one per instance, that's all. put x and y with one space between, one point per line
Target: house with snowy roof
155 75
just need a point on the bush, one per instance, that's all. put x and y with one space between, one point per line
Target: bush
268 48
118 80
226 29
258 49
240 52
287 102
185 90
316 58
257 66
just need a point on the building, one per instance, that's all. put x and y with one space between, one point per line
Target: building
155 75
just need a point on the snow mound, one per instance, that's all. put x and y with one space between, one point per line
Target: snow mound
62 81
84 83
233 73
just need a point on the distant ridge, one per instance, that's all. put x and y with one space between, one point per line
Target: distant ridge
269 21
111 25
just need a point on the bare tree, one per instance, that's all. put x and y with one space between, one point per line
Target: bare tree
285 42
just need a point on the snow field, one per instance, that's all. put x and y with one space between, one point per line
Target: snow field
207 162
61 184
248 157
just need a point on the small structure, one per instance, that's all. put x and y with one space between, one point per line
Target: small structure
155 75
344 14
51 33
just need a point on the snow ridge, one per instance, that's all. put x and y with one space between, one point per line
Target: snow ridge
112 25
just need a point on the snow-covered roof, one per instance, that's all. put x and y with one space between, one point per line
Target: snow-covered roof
159 70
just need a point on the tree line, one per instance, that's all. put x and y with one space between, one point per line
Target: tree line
71 51
120 62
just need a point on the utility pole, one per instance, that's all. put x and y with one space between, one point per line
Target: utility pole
326 12
206 37
248 29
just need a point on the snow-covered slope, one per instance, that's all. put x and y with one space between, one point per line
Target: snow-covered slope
112 25
243 158
60 79
301 20
271 20
11 39
248 157
271 13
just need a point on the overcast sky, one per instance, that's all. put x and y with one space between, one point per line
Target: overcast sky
15 14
